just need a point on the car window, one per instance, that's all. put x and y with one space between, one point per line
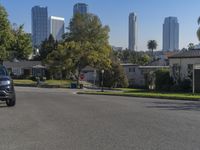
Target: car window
3 71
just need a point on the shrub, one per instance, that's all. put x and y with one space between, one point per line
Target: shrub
186 85
163 80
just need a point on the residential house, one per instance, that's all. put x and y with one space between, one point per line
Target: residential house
25 68
138 75
182 64
134 75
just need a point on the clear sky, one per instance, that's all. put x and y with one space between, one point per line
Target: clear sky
151 14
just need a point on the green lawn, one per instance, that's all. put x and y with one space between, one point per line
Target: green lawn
145 93
24 82
60 83
48 83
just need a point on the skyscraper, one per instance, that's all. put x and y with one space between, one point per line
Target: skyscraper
171 34
133 32
39 25
56 27
81 8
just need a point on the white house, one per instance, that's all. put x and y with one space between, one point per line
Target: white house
182 63
137 75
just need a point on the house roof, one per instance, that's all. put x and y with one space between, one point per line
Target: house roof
187 54
128 64
153 67
21 64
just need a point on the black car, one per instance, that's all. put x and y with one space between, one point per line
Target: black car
7 91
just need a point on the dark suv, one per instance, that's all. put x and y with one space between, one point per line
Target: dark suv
7 91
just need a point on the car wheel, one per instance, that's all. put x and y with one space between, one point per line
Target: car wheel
10 102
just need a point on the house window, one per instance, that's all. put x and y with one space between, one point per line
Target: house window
131 69
190 70
16 71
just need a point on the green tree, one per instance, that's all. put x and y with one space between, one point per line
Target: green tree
60 59
144 59
115 76
163 80
191 46
152 44
21 46
47 47
86 43
5 34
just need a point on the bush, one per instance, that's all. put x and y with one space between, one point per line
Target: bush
186 85
163 80
114 77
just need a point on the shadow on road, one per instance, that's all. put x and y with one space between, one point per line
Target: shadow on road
3 105
192 106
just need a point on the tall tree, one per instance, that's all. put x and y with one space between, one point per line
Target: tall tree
47 47
115 76
152 44
5 34
21 46
86 43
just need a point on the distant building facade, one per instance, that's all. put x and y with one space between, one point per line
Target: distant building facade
80 8
133 32
56 27
39 25
170 34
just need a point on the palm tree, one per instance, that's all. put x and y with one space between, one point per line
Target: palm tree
152 44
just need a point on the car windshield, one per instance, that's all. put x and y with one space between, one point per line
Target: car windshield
3 71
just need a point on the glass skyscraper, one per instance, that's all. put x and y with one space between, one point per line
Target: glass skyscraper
171 34
133 32
56 27
39 25
80 8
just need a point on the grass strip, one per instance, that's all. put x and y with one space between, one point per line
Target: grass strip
176 96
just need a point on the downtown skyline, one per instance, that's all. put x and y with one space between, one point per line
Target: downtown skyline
150 17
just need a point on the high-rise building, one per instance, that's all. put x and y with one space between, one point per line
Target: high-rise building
56 27
171 34
80 8
133 32
39 25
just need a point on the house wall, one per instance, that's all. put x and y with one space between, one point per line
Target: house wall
134 75
183 63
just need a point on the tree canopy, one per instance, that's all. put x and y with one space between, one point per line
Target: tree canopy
47 46
5 34
85 43
21 46
14 42
151 45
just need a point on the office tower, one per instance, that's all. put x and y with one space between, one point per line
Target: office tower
80 8
170 34
56 27
133 32
39 25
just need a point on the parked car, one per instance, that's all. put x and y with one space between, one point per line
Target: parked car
7 91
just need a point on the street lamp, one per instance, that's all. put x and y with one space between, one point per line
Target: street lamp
102 72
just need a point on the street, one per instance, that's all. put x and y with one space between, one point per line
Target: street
59 119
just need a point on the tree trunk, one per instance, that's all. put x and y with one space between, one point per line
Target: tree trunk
77 79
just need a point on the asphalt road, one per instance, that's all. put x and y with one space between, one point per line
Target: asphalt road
58 119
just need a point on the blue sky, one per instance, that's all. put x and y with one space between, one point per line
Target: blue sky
151 14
